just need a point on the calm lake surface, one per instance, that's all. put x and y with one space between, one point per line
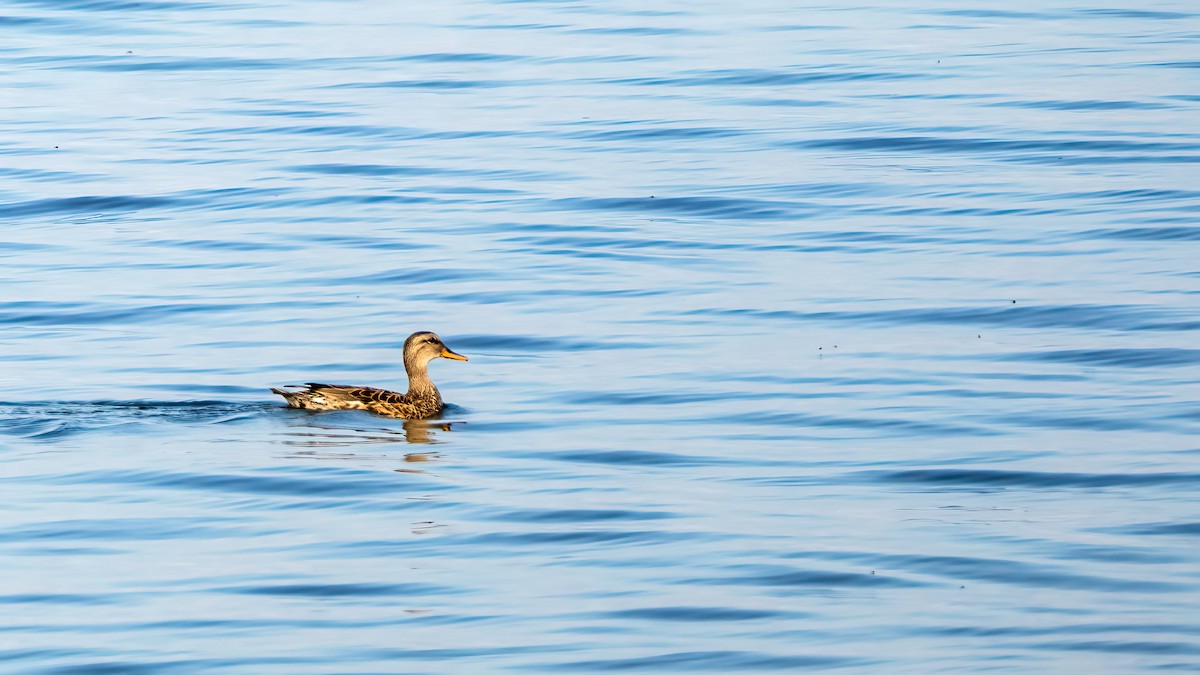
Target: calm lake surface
854 337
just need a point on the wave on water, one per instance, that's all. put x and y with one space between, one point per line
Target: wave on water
45 420
309 432
1051 480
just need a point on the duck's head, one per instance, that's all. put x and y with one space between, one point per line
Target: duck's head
422 347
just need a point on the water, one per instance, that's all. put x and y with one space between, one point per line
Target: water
802 337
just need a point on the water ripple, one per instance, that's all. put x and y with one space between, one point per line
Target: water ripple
1156 529
772 78
1108 317
1029 479
712 207
1124 358
369 591
710 661
1028 151
689 614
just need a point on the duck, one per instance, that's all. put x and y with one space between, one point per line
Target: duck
423 399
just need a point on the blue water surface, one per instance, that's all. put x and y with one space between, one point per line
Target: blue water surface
803 337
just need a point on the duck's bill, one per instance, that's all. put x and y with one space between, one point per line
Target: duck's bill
447 354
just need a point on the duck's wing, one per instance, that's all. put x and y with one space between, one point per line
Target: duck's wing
362 395
317 396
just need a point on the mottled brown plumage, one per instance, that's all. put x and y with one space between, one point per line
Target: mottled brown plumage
422 400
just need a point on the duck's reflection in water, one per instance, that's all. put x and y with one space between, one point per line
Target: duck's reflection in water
316 434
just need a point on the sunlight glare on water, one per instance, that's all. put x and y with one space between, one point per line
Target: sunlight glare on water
856 337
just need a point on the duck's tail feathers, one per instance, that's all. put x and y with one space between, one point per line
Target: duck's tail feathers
317 396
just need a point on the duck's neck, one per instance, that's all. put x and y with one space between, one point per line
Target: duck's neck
419 384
